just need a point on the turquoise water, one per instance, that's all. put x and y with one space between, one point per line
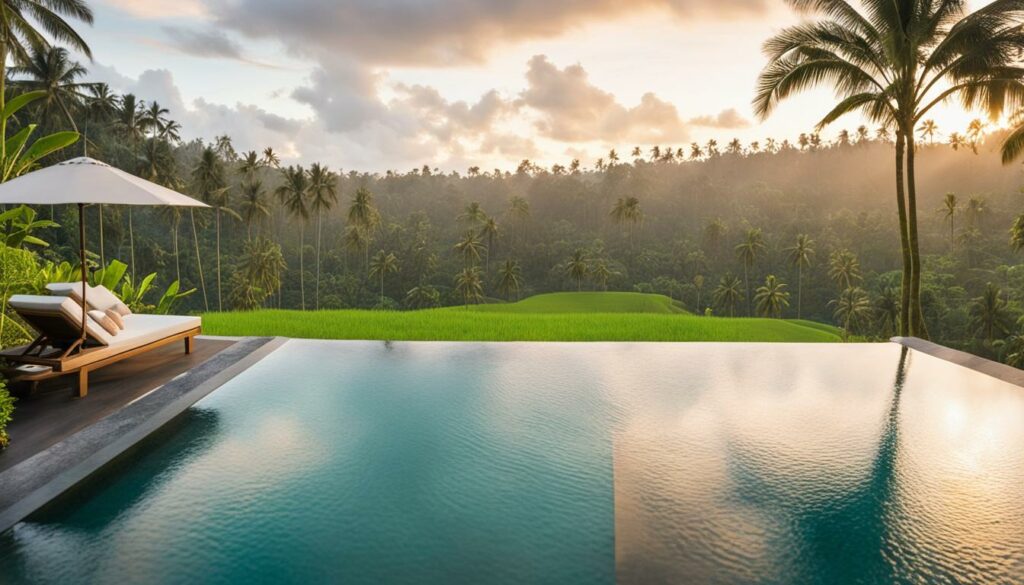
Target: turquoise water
366 462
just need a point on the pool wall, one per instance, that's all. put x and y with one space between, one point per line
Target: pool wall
29 485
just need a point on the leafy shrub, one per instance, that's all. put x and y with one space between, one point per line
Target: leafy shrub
6 410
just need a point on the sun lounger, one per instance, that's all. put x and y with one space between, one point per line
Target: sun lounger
58 319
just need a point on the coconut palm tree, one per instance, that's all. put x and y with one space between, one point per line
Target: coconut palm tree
626 211
519 211
253 206
471 248
154 119
800 256
887 311
844 269
852 309
173 215
383 263
510 279
50 69
601 273
250 164
472 214
262 265
748 252
577 267
323 195
728 294
893 62
469 284
422 296
771 298
928 131
489 230
714 232
988 315
950 206
1017 234
294 195
363 215
211 184
31 24
270 158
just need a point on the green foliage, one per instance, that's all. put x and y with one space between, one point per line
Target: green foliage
18 224
588 302
20 156
114 277
6 412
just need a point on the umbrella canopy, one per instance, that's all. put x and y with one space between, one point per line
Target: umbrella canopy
88 181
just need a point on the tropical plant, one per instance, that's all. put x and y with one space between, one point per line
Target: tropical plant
989 316
950 206
748 252
489 230
470 247
259 273
49 69
893 62
18 224
852 309
17 156
209 181
422 296
383 263
601 273
362 214
844 269
253 206
577 267
510 279
800 256
771 298
728 294
294 195
469 285
472 214
627 212
323 195
887 311
6 412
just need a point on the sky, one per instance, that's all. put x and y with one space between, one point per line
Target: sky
373 85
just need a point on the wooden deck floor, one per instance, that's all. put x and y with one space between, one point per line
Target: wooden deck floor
53 413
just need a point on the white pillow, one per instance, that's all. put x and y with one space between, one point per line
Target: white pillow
105 321
115 317
121 309
100 297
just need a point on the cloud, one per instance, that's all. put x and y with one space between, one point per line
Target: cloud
159 9
726 119
402 32
203 43
572 109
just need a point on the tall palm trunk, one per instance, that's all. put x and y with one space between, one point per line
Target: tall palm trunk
904 241
220 307
381 289
917 324
799 290
177 256
302 269
319 221
199 259
746 283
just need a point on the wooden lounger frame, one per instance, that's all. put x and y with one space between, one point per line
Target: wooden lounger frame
68 355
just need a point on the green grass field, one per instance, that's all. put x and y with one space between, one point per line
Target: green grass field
556 317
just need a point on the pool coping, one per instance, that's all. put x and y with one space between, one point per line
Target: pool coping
31 484
1002 372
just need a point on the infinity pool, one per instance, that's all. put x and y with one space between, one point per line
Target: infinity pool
367 462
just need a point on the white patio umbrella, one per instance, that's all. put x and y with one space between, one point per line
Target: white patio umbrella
85 181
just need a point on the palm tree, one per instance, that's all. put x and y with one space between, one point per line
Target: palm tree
270 158
976 210
893 62
470 247
1017 234
31 24
50 70
422 296
772 297
747 252
887 311
989 314
714 232
601 273
250 164
626 211
363 215
262 265
173 216
209 179
852 309
800 255
294 195
469 284
489 230
519 210
975 134
383 263
577 268
928 131
253 206
154 119
510 279
323 195
728 294
472 214
844 269
948 210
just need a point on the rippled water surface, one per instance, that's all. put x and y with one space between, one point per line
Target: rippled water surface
364 462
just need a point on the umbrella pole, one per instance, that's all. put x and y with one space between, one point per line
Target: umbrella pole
81 258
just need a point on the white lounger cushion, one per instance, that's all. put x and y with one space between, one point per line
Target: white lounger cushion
67 306
97 297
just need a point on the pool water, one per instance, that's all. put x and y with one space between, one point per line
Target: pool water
369 462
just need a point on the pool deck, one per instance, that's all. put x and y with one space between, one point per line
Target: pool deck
58 440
